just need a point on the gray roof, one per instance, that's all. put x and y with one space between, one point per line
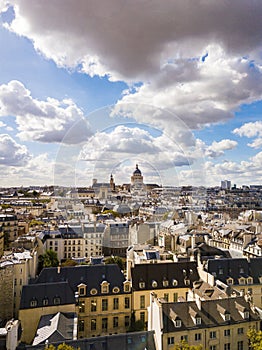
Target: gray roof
210 313
55 328
158 272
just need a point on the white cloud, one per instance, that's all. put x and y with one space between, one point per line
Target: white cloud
251 130
44 121
12 153
161 46
217 149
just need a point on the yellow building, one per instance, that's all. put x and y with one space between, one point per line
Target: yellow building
98 294
220 324
170 281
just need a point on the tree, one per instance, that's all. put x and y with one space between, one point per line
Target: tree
183 345
61 346
49 259
255 339
135 326
116 260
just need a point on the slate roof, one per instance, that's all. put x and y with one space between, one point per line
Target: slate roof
158 272
46 291
210 313
55 328
124 341
235 268
91 275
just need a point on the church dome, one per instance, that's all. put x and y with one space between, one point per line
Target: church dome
137 171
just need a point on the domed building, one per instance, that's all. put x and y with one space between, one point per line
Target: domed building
137 178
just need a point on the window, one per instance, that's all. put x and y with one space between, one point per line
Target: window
174 282
104 304
142 285
213 347
154 284
127 303
240 331
165 283
166 296
33 303
227 346
93 305
116 290
104 287
198 320
227 317
220 271
227 332
178 323
115 322
187 282
45 301
57 300
197 336
82 291
126 321
93 324
82 306
240 345
246 314
250 280
212 335
104 324
81 325
142 301
142 316
184 338
175 297
127 287
116 304
170 340
93 291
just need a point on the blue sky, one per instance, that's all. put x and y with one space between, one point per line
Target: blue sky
92 89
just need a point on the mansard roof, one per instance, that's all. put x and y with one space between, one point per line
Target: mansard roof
171 272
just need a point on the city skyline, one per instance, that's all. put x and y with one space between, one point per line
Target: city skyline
92 89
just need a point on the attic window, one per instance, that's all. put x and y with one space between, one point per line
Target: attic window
165 283
33 303
227 317
177 323
104 287
142 285
81 289
57 300
126 286
249 280
230 281
246 315
116 290
198 320
174 282
93 291
187 282
154 284
242 280
45 301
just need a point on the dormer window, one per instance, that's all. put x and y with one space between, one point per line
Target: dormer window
242 280
249 280
187 282
116 290
57 300
174 283
104 287
198 320
81 289
246 315
177 323
227 317
165 283
230 281
154 284
33 303
127 286
45 301
142 285
220 271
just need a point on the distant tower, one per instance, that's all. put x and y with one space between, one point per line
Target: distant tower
226 185
112 183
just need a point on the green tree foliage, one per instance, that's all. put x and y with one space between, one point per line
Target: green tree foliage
183 345
255 339
116 260
135 326
69 262
49 259
62 346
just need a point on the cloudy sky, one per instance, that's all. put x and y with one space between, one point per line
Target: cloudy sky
90 88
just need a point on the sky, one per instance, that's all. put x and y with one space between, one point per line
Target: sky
91 88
